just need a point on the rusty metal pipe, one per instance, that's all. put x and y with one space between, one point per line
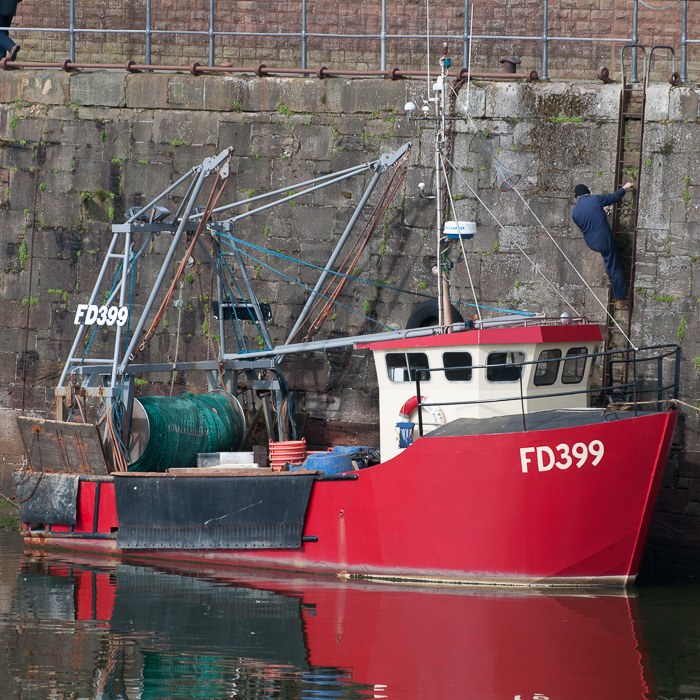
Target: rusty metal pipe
261 70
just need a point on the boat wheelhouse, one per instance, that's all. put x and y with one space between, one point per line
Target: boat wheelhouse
506 367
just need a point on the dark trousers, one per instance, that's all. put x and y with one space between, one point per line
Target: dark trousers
604 244
5 42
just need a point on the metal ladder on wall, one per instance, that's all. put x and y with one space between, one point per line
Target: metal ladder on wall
628 168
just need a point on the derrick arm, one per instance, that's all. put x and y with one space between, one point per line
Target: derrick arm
110 378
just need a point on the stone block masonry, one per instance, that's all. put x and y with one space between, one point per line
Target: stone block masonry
78 150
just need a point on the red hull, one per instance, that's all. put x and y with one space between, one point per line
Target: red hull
465 509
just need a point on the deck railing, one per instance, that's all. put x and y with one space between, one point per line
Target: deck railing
660 381
300 36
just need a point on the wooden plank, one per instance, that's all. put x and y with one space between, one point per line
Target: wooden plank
229 471
61 447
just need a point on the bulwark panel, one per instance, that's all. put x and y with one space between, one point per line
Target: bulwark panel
193 512
47 498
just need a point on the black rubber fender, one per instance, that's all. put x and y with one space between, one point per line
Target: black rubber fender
426 314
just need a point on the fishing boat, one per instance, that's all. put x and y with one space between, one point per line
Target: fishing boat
505 456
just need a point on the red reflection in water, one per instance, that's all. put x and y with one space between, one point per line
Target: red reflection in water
441 645
422 643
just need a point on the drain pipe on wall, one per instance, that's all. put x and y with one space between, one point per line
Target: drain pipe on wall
635 40
684 43
545 41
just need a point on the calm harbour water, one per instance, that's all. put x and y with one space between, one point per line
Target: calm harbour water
73 626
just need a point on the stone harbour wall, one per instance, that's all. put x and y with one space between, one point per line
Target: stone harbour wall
80 149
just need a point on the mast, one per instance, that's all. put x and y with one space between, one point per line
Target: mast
444 311
438 101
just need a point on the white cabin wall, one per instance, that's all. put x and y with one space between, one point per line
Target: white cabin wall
393 395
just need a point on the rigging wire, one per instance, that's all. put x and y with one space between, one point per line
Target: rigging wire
358 247
461 240
558 247
448 152
284 422
286 425
377 215
511 238
301 284
469 59
379 285
610 316
221 264
179 304
427 42
210 336
214 195
249 308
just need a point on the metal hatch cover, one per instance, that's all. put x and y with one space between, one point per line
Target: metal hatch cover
63 447
205 512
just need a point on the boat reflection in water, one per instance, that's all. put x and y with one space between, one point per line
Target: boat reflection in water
156 633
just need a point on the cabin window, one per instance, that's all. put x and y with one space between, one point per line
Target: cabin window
574 367
547 367
402 366
458 366
504 367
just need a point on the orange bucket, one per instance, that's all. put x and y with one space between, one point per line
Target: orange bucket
281 453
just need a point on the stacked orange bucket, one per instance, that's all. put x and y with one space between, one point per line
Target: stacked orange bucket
288 451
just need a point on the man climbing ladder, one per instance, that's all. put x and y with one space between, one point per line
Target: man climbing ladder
589 215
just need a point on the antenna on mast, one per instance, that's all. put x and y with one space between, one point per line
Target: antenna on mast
437 98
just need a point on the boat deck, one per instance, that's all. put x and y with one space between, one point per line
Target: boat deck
541 420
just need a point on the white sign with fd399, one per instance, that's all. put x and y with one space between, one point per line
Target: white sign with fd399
562 456
91 314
